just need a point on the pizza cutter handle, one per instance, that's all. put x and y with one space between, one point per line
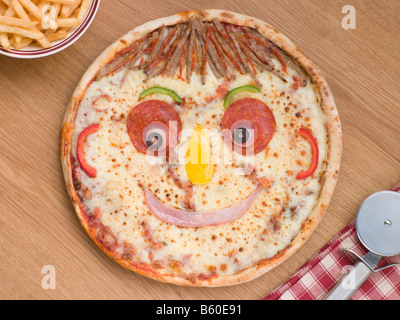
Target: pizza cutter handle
355 277
350 282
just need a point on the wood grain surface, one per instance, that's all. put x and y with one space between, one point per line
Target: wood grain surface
37 221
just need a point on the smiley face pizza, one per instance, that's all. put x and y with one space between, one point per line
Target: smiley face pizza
201 149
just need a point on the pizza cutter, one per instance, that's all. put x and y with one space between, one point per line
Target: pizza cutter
378 228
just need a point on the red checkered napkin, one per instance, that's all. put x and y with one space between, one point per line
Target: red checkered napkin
319 275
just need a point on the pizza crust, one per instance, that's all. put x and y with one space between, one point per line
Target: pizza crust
333 127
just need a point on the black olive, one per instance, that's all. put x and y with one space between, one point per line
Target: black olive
241 135
154 140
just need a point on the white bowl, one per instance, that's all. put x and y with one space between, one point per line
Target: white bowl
34 51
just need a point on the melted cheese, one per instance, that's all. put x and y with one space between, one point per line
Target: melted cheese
226 248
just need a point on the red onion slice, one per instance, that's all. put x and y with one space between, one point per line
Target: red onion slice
199 219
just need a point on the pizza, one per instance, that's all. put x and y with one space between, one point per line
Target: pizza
201 149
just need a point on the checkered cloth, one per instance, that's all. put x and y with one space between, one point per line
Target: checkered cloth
320 274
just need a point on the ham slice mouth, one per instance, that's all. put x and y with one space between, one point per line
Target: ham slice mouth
199 218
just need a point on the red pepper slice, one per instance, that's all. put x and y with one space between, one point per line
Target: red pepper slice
90 171
314 159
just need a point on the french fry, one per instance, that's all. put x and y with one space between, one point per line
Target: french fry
68 22
5 43
21 31
59 35
51 12
23 43
19 10
42 40
83 10
17 38
3 8
49 8
10 21
32 8
10 12
69 2
11 40
43 4
67 10
48 23
55 13
23 22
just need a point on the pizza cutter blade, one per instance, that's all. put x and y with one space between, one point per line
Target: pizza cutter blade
378 228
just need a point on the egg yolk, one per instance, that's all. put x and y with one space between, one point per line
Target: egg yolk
198 163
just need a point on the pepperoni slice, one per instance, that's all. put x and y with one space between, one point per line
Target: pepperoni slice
248 126
153 116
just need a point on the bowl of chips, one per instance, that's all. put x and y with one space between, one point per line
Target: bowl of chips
38 28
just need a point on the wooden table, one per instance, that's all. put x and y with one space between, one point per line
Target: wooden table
38 224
